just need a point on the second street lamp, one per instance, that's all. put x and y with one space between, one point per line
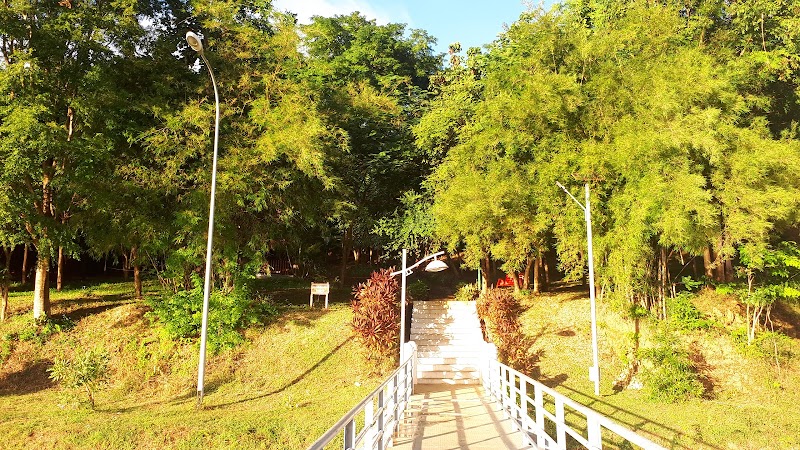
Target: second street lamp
196 43
434 266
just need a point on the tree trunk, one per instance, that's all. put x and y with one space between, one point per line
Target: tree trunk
5 280
60 274
515 279
728 271
137 273
546 268
41 288
526 284
536 264
24 277
707 262
346 248
485 266
126 266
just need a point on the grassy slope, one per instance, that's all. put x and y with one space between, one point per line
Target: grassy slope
752 405
289 383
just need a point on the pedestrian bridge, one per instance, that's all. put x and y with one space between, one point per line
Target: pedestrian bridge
500 408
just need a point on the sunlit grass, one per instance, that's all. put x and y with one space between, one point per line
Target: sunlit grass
751 406
289 382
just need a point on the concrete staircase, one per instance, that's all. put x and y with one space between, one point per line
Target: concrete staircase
449 342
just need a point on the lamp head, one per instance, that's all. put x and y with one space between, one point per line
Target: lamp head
195 41
436 266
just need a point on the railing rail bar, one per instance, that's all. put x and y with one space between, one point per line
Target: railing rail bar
347 422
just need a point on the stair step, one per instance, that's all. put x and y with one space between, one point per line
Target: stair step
448 367
447 381
450 360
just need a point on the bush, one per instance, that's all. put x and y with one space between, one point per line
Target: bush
376 316
39 330
500 311
685 316
418 290
668 373
85 370
181 314
468 292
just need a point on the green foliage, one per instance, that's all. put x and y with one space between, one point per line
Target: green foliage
468 292
669 375
39 331
766 344
418 290
684 315
499 309
181 314
85 370
376 316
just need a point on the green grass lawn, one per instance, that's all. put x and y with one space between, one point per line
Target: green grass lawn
751 403
289 382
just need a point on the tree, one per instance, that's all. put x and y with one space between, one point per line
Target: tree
370 80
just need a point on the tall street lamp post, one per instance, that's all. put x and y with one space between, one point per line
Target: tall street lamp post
434 266
196 43
594 371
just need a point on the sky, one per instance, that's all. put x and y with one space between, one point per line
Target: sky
473 23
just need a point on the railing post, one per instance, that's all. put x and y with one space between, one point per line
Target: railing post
538 405
350 435
382 419
561 431
369 425
594 433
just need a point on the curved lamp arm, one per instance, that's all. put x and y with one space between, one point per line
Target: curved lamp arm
416 264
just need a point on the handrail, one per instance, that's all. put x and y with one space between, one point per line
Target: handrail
390 398
510 388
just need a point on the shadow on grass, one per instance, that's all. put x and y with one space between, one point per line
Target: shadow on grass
33 377
291 383
636 422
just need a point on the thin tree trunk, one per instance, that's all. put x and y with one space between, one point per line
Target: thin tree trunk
346 246
707 262
486 266
515 279
60 273
126 266
536 285
137 273
5 279
41 288
25 265
546 267
526 284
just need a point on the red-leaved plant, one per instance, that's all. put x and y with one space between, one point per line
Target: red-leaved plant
500 310
376 316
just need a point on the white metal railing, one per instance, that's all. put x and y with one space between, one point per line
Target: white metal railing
513 390
371 423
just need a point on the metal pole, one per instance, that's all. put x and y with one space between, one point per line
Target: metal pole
207 282
403 309
595 373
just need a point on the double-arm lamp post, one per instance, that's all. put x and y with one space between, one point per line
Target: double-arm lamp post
196 43
434 266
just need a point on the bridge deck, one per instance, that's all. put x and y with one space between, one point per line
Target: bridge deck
451 417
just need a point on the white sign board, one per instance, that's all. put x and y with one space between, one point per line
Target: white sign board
319 289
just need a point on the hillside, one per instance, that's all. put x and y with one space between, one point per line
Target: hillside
283 388
749 402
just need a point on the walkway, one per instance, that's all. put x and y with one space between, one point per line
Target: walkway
448 417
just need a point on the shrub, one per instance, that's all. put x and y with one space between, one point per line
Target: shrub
418 290
181 314
668 373
376 316
685 315
500 310
39 330
85 370
468 292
